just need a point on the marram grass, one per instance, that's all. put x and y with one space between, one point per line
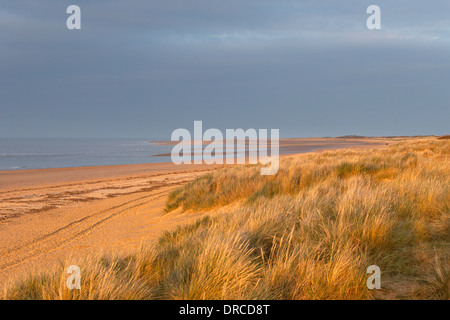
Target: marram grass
309 232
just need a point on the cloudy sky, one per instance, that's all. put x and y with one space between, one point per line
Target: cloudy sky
145 68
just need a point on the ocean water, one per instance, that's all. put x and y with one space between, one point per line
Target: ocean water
21 154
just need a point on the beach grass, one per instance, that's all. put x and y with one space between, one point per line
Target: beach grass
308 232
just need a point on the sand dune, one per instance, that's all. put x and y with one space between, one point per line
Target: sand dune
52 214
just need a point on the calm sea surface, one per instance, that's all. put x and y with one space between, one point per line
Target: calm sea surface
19 154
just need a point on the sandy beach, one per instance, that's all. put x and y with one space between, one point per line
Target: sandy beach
49 215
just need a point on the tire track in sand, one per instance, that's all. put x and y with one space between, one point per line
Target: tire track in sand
69 233
82 227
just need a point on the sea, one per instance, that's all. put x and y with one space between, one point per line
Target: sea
38 153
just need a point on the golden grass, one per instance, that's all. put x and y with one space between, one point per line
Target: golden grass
309 232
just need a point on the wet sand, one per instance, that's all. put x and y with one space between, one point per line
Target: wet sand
300 145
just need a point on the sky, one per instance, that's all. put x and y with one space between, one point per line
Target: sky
145 68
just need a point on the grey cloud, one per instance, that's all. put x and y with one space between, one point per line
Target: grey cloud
144 68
